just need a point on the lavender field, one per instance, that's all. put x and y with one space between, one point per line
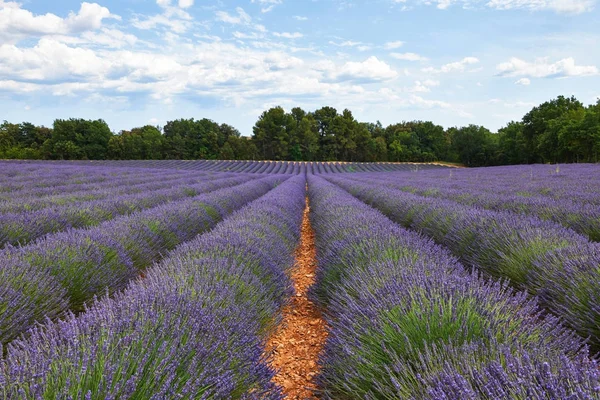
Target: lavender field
166 279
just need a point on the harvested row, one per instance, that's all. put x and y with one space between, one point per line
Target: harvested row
67 269
115 187
408 321
581 216
193 328
542 257
22 228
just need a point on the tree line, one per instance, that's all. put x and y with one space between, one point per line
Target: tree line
560 130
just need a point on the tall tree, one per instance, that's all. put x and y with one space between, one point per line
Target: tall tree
474 145
271 134
541 135
512 146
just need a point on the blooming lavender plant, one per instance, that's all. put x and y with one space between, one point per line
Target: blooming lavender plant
89 262
193 328
502 244
21 228
403 313
568 199
116 186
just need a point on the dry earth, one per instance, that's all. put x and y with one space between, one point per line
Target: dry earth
298 341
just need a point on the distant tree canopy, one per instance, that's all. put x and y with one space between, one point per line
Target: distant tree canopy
559 130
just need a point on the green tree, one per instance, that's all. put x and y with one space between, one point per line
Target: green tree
541 134
327 146
474 145
79 139
271 134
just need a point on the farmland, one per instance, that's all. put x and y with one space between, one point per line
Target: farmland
269 280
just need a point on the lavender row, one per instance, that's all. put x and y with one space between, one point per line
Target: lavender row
67 184
581 216
67 269
408 321
269 167
194 328
578 183
48 175
542 257
23 228
29 201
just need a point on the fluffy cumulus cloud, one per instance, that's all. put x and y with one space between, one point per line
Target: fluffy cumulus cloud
235 57
457 66
186 3
50 60
17 23
368 71
543 68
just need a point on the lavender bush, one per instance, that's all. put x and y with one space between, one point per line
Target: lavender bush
89 262
502 244
21 228
568 197
193 328
405 317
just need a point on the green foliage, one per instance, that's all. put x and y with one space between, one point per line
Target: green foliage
474 145
557 131
79 139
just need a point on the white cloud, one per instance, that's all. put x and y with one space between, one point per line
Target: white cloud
360 46
241 18
186 3
268 5
49 60
174 18
557 6
300 18
176 25
89 17
457 66
542 68
347 43
393 45
523 81
18 87
424 86
288 35
112 38
17 23
408 56
370 70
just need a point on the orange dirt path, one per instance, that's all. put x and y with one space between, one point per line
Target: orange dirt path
298 341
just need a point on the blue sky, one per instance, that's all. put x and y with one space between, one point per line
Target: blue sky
134 62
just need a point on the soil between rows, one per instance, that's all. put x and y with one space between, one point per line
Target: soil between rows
297 343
